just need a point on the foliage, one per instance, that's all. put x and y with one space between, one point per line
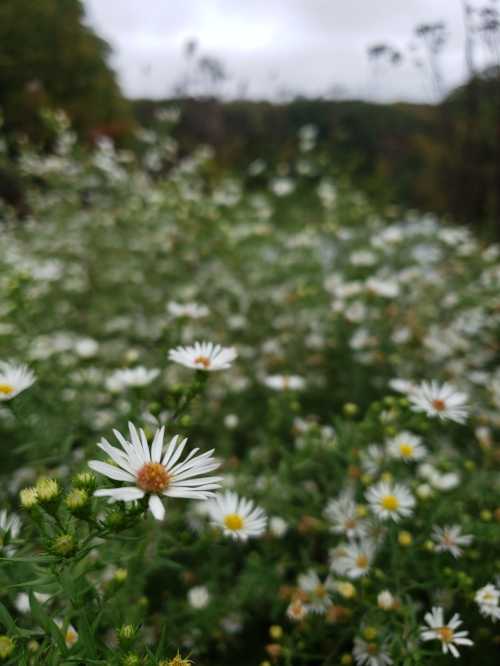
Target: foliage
327 303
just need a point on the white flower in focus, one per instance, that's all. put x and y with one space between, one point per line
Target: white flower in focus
198 597
488 600
449 539
14 378
370 653
284 382
191 310
204 356
441 401
238 517
406 446
390 500
446 633
150 471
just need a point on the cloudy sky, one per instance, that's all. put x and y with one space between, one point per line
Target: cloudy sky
270 47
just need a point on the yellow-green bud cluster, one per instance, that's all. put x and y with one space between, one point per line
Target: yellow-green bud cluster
64 545
85 481
77 500
47 490
28 498
7 646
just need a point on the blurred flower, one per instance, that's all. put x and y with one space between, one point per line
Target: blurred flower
443 402
14 378
238 517
488 598
406 446
198 597
446 633
449 539
204 356
390 501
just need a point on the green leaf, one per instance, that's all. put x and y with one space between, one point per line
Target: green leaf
41 616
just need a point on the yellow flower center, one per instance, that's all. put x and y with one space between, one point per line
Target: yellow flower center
390 503
372 648
320 591
202 360
6 389
445 634
71 637
406 450
362 561
153 478
439 405
233 522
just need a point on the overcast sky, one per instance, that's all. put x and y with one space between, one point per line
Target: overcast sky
267 46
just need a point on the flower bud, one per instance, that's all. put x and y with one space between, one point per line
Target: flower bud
126 634
77 501
64 545
28 498
85 481
47 490
7 646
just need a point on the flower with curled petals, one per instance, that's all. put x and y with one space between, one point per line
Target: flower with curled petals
155 471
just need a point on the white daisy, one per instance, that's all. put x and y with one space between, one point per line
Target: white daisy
191 310
317 593
238 517
284 382
488 598
152 472
354 559
390 500
441 401
134 377
14 378
386 600
204 356
448 539
445 633
406 446
198 597
370 653
342 513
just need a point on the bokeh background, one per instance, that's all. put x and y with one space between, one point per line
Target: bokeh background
406 98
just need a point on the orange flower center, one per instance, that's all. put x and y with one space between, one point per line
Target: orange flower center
362 561
446 634
6 389
153 478
372 648
439 405
320 591
202 360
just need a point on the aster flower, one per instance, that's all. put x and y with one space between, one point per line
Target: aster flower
14 378
354 559
446 633
238 517
406 446
154 472
134 377
448 539
191 310
342 513
284 382
204 356
488 600
370 653
390 500
317 593
440 401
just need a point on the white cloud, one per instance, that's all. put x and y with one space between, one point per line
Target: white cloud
308 46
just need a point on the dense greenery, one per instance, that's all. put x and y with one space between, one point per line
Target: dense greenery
337 313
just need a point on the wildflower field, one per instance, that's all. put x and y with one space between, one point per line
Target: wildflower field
243 423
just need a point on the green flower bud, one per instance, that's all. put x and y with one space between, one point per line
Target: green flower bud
7 646
28 498
85 481
64 545
77 500
126 634
47 490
